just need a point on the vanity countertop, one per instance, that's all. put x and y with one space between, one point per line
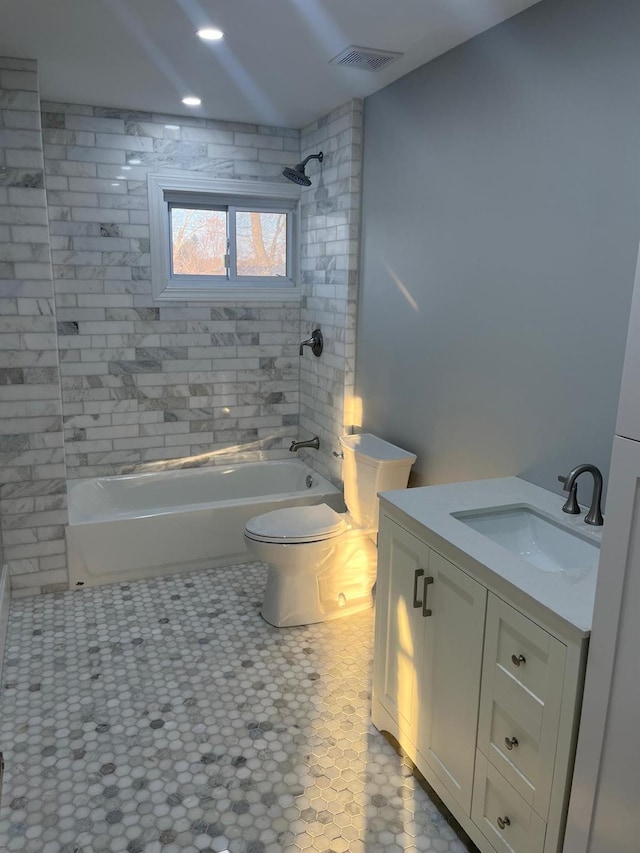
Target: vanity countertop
567 594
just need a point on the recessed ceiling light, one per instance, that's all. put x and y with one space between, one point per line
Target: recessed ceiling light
115 184
210 33
121 178
128 168
134 161
172 127
190 101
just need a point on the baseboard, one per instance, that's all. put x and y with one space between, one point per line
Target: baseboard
5 599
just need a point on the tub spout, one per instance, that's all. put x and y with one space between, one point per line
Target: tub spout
311 442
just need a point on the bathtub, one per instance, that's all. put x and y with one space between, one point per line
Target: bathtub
145 525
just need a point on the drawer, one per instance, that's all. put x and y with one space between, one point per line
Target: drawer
520 702
522 650
500 813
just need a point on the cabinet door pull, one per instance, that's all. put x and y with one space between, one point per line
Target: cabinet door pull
426 611
416 576
503 822
510 742
516 660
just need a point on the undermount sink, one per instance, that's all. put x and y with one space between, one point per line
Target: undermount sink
540 540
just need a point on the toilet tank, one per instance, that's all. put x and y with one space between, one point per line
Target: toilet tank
371 465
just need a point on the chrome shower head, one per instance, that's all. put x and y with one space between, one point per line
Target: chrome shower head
297 173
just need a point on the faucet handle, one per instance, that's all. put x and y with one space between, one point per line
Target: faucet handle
316 343
571 506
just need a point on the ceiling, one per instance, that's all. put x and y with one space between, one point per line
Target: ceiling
271 68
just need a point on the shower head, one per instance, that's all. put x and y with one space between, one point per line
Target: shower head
297 174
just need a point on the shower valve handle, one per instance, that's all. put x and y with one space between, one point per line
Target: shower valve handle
316 343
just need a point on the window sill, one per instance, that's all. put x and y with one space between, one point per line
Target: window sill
229 294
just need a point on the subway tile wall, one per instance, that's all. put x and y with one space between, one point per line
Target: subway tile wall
330 256
100 380
144 384
32 471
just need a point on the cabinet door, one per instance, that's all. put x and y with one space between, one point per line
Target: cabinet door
402 565
449 680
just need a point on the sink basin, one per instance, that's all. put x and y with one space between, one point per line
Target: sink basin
540 540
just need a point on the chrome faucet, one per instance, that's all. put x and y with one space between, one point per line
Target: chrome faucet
570 484
310 442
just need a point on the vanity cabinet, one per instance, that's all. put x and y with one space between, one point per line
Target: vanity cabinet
429 629
482 698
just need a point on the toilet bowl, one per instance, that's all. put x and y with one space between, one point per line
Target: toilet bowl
322 564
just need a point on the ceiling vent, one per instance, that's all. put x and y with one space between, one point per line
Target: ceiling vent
364 58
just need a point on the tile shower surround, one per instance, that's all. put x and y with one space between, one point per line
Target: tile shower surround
329 269
145 384
166 716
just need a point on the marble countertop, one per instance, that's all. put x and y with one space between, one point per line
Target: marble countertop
567 594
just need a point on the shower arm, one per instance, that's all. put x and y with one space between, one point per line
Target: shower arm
311 157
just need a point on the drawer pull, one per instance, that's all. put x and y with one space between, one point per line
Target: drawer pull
426 611
510 742
520 659
503 822
416 577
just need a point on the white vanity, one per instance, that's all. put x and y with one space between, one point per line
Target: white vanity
483 610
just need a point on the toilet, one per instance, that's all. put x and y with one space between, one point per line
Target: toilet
322 564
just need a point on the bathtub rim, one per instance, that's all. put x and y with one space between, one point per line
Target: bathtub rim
321 486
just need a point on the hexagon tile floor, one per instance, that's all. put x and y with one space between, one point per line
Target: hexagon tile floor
166 716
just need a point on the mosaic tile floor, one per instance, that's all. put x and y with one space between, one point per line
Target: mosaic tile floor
166 716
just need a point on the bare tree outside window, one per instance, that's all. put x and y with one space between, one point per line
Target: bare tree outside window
261 242
199 241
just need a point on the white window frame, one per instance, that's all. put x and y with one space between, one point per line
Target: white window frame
194 188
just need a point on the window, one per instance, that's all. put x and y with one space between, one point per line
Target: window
222 239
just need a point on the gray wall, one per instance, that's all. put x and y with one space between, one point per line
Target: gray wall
500 230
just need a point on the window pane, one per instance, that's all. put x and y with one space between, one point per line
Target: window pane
261 243
198 241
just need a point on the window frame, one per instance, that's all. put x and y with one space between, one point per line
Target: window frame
197 190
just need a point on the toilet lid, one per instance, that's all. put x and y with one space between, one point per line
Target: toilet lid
296 524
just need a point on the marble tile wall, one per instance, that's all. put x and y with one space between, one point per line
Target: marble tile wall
329 267
146 384
99 380
32 470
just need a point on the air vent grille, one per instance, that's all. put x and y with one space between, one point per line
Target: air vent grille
364 58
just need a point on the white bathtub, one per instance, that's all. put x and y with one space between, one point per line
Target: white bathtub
145 525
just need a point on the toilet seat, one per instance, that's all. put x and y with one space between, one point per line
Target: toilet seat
296 525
